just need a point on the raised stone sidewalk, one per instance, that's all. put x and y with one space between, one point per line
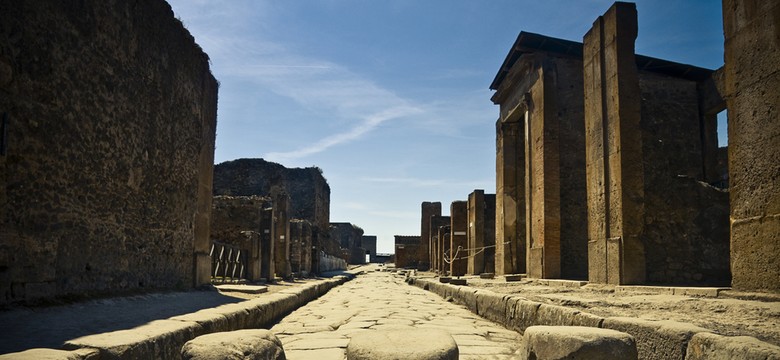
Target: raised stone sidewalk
163 339
654 339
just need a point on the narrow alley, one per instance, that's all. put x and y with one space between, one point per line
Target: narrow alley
381 300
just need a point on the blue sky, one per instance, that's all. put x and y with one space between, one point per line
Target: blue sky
390 98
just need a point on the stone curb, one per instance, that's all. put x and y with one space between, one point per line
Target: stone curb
654 339
163 339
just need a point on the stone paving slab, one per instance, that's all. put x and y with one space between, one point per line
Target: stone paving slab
243 288
380 301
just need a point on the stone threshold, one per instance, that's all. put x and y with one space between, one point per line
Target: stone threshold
709 292
654 339
242 288
163 339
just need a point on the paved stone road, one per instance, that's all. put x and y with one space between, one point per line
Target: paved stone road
382 300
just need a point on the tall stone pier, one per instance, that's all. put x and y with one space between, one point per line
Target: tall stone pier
752 76
282 264
437 240
458 238
481 232
510 202
426 254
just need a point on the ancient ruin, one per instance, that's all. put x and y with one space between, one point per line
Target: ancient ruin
608 176
106 184
481 236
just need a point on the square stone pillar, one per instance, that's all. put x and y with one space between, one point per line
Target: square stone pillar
542 179
437 249
426 254
267 232
282 237
443 241
510 202
752 81
614 159
458 238
481 232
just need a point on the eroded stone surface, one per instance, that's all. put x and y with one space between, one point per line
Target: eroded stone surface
379 301
239 345
411 344
577 342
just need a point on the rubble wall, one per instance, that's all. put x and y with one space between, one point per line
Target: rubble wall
685 221
108 153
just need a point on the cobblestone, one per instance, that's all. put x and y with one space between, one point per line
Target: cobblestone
374 301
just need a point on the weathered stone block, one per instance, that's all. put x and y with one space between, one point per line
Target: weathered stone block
492 306
554 315
575 342
656 339
708 346
412 344
159 339
234 345
52 354
521 313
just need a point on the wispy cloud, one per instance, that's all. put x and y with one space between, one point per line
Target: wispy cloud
356 104
415 182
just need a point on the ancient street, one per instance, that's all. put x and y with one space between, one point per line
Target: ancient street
383 301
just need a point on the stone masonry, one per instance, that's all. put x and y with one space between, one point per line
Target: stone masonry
245 221
349 237
406 251
458 254
539 86
752 80
105 175
481 236
652 219
369 243
437 239
426 255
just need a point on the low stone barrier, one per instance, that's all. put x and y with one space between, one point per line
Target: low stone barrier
239 344
163 339
577 342
654 339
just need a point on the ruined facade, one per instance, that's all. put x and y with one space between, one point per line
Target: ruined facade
439 242
105 175
652 218
481 235
301 247
407 249
616 143
539 91
349 237
246 222
369 243
307 189
752 80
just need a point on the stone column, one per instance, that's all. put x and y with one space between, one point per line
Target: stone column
476 234
542 179
267 232
752 81
458 242
428 209
437 221
510 203
613 149
282 236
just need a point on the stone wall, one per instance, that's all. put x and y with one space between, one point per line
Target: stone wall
349 237
685 232
438 241
300 247
369 243
243 221
105 177
752 55
406 250
307 189
649 217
